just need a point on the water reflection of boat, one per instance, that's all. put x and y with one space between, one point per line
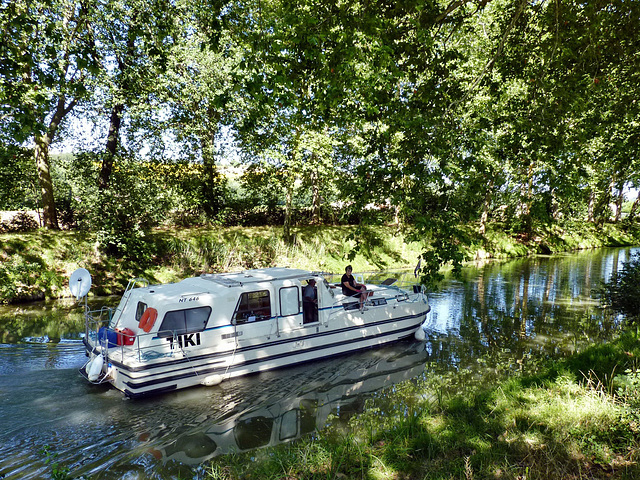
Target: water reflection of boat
207 329
336 387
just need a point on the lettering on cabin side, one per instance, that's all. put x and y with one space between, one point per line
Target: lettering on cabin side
231 335
188 299
186 340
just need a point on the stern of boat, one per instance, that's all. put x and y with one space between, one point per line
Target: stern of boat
98 338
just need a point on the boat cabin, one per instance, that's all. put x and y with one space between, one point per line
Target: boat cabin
246 304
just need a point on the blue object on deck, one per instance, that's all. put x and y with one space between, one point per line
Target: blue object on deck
109 337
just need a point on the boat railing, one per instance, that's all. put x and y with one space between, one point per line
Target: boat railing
127 294
147 350
116 343
96 319
100 320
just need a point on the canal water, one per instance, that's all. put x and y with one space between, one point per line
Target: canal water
500 319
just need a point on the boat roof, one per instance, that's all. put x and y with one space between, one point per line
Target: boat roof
208 281
235 279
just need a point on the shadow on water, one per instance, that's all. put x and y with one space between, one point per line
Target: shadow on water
501 318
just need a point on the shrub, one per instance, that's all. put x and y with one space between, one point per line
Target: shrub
21 222
123 214
622 292
18 178
25 280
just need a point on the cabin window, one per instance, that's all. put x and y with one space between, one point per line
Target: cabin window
179 322
140 310
253 307
289 301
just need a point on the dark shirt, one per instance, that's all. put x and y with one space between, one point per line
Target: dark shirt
351 281
309 293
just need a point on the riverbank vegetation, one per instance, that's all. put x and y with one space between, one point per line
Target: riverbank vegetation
37 264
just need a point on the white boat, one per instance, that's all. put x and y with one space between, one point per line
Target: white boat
206 329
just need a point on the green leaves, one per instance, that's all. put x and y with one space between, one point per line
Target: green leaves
437 114
622 292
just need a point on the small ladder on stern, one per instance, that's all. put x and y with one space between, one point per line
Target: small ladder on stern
127 293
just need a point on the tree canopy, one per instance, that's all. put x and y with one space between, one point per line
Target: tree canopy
441 113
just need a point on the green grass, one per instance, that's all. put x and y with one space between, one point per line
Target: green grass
562 424
39 263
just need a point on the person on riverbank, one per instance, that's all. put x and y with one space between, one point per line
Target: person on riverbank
351 288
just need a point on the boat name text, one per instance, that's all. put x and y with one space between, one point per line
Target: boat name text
187 340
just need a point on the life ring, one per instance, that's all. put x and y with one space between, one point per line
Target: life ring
148 319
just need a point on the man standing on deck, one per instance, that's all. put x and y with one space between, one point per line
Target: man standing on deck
310 302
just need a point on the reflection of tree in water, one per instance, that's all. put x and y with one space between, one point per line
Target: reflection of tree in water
517 313
42 335
45 321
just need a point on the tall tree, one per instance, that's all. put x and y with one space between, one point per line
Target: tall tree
135 37
47 58
198 89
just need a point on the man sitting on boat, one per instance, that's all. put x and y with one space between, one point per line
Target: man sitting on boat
351 288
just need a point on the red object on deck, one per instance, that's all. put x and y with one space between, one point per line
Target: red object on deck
126 336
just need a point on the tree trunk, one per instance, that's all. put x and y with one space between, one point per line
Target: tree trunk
49 214
289 179
526 199
212 188
111 147
286 230
619 201
315 197
485 208
591 206
634 208
42 141
113 137
602 210
212 192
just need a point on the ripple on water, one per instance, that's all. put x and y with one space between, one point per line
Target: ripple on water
40 355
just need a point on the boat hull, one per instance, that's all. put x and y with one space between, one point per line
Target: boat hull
182 370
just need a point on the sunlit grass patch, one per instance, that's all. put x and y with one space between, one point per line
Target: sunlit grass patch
380 471
564 417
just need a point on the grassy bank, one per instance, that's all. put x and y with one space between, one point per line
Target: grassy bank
577 419
36 265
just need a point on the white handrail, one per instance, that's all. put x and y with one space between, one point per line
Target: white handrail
126 295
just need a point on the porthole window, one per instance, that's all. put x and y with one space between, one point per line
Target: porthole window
140 308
